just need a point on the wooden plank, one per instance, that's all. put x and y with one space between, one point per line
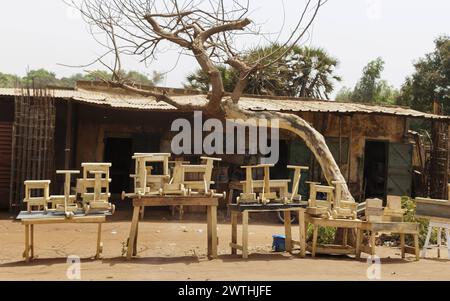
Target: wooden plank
392 227
335 249
99 242
336 223
64 220
176 201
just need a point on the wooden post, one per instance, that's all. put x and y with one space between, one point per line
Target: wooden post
27 243
288 230
402 244
133 231
416 246
32 240
349 164
68 151
314 242
212 231
358 243
234 220
99 242
372 242
245 234
302 235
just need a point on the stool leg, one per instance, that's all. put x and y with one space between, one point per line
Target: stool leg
439 241
358 243
288 230
447 235
314 242
234 219
372 243
245 234
416 246
402 244
427 241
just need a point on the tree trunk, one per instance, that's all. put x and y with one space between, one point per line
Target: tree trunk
313 139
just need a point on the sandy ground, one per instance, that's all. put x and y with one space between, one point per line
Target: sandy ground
176 250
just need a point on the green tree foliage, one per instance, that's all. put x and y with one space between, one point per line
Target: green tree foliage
45 78
430 81
9 80
370 88
302 72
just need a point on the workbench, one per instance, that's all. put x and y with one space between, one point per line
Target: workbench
245 209
346 225
156 201
402 228
29 220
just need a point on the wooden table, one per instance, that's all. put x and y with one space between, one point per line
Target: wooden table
346 224
401 228
210 202
244 210
29 220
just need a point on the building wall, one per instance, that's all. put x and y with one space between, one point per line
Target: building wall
96 124
363 127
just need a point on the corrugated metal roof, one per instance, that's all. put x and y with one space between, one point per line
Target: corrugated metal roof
130 101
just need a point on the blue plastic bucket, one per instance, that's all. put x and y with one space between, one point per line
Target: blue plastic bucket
279 243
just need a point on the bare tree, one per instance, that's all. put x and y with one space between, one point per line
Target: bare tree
207 30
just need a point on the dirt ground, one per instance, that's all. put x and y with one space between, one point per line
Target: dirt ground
170 249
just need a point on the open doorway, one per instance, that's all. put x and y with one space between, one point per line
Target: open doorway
375 169
118 151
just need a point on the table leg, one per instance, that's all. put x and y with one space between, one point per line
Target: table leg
136 240
402 244
427 241
229 200
26 253
133 231
99 242
439 241
212 231
288 230
358 243
314 242
302 236
416 246
142 213
345 239
447 235
234 220
372 243
32 240
245 234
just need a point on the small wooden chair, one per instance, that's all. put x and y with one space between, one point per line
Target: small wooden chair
176 185
342 208
65 203
248 195
202 186
295 196
40 202
99 199
317 207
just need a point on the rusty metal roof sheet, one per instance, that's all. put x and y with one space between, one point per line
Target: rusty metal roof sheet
119 100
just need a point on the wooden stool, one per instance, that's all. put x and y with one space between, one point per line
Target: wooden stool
297 178
439 225
40 202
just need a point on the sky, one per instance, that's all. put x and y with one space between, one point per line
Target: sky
46 33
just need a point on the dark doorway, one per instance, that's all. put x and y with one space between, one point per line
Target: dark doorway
375 169
280 171
118 151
